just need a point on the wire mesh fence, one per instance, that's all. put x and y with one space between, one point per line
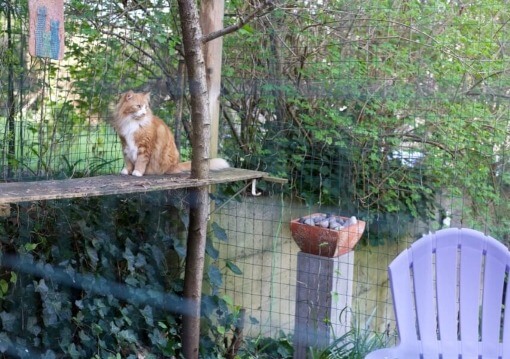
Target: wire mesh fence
394 113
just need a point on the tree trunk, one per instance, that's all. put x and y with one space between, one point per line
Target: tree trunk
197 82
199 210
200 141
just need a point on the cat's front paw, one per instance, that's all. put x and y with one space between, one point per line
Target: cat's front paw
137 173
124 171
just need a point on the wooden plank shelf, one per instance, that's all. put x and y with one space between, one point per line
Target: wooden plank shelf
14 192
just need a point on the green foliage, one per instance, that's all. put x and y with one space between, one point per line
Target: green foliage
220 318
377 108
261 347
331 100
101 277
356 343
61 106
378 114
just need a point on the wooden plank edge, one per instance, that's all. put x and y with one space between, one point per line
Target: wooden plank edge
136 185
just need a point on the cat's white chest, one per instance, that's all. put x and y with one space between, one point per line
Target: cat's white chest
131 150
128 131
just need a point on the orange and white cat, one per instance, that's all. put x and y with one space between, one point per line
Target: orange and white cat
148 144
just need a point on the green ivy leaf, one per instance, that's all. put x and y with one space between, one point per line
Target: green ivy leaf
132 281
140 261
41 288
32 326
210 250
130 258
180 249
147 315
65 337
4 286
253 320
128 335
73 351
221 329
92 254
235 269
219 232
228 299
126 315
8 321
158 338
49 312
215 276
49 354
246 29
84 337
31 246
5 342
97 329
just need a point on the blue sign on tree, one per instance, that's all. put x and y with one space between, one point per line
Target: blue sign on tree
46 28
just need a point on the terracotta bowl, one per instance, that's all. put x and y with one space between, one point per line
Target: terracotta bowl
323 241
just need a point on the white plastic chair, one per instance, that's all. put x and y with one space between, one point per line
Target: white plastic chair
449 295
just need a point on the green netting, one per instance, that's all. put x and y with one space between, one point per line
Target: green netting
393 112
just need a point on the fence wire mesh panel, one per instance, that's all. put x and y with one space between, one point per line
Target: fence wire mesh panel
395 113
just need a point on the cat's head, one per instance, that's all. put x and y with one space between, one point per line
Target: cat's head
134 105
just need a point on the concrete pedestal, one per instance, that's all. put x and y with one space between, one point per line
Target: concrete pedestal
323 300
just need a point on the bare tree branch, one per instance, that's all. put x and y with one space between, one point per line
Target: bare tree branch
260 10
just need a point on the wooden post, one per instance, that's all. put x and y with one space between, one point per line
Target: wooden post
179 103
211 19
323 300
11 105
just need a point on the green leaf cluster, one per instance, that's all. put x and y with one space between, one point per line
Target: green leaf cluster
379 109
101 277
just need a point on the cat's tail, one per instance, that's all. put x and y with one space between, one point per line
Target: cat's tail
218 164
214 164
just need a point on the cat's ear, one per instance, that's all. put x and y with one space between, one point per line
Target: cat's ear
147 96
128 95
125 96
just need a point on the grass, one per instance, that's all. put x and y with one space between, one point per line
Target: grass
357 343
354 344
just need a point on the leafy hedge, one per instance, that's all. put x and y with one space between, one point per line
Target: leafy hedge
100 277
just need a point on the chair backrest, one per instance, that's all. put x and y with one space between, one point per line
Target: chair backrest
450 292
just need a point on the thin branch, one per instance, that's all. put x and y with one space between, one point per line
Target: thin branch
137 48
267 5
471 91
157 58
420 139
230 123
300 125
